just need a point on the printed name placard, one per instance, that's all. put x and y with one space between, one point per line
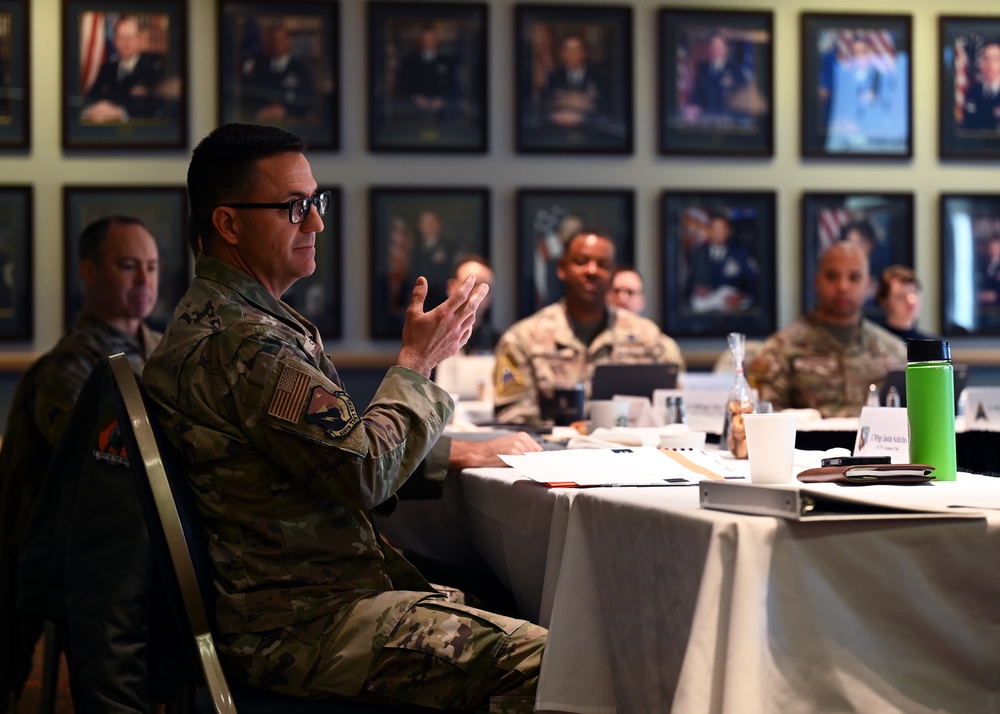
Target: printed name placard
705 409
883 431
982 409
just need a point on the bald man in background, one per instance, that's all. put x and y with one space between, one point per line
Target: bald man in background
827 358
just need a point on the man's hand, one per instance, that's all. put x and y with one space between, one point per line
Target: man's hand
476 454
431 337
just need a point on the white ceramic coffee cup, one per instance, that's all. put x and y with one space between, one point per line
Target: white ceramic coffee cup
608 413
771 446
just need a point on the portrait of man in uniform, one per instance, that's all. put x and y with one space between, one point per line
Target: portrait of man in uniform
574 75
428 89
278 66
421 232
125 75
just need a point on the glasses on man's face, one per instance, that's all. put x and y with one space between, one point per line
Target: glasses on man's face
298 210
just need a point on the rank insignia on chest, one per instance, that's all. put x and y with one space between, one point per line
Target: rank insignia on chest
334 412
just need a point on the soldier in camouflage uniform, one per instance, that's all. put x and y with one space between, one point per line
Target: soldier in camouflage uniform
119 264
827 359
560 345
285 467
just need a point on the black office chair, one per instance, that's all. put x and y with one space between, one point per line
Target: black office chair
180 549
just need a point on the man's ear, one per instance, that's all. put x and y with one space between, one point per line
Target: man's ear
88 272
226 224
561 269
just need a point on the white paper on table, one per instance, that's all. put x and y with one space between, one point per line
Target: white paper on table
627 466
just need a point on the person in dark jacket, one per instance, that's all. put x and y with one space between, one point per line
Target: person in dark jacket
119 265
128 85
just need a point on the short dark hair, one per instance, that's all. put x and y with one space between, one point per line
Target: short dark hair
895 272
223 166
628 268
587 231
92 237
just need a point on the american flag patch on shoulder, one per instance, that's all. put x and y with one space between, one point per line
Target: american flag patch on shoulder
290 394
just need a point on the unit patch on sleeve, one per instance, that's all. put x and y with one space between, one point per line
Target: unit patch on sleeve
110 446
293 385
335 412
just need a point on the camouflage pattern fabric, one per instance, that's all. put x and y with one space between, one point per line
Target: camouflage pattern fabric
808 365
284 469
541 353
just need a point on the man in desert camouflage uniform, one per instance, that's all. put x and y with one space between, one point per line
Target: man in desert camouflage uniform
285 467
560 345
119 267
828 358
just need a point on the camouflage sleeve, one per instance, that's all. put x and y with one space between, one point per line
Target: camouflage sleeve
770 374
516 394
672 352
309 427
56 389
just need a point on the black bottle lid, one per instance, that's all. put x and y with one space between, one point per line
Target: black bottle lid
928 351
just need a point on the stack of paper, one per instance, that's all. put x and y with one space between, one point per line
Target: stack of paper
627 466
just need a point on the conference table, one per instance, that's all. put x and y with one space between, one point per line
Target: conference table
656 605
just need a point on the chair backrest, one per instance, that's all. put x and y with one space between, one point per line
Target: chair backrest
179 545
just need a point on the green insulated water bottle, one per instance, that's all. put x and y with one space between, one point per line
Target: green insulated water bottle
930 406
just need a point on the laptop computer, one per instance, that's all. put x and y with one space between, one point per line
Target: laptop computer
897 378
632 380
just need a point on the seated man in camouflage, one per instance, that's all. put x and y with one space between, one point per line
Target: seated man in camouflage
828 358
119 267
560 345
285 468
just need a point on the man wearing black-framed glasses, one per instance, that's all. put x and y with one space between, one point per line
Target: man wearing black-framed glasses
285 468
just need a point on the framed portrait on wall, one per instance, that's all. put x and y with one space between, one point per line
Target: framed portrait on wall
420 231
716 82
15 114
162 209
969 98
278 65
573 71
718 262
881 223
124 74
16 238
857 85
428 87
547 218
970 264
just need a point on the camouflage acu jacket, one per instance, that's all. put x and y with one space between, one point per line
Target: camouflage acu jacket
807 365
542 353
284 466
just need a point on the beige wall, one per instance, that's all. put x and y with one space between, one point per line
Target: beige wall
48 169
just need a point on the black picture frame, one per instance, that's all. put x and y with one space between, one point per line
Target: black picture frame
716 82
16 275
557 113
547 217
437 104
164 210
872 117
148 109
401 217
708 294
881 222
15 92
279 65
970 251
969 120
319 297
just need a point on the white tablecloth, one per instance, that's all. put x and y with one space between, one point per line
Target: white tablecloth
657 605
